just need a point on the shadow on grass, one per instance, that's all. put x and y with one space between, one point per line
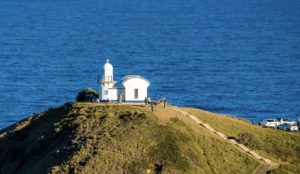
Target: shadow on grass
40 143
158 169
233 138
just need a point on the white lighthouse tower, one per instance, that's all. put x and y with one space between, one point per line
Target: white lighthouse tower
107 84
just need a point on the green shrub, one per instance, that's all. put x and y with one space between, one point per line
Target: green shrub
81 96
250 140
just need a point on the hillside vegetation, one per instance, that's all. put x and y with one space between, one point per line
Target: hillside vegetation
107 138
277 145
81 96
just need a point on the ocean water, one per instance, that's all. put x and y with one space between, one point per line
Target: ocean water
240 58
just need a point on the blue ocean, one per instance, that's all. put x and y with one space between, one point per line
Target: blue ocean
240 58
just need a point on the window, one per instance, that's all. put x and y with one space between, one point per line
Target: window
106 92
136 95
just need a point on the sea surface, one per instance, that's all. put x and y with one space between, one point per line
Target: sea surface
240 58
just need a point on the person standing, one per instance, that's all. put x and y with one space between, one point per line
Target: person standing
120 98
123 98
165 103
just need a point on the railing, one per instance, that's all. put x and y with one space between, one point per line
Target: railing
103 78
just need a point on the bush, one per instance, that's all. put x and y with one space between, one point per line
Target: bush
81 96
251 140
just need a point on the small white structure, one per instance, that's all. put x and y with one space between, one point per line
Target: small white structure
135 88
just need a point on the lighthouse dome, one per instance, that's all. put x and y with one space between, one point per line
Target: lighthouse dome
107 65
107 72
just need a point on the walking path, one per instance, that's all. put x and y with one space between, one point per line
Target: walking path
261 170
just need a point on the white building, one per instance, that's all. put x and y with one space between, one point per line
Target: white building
135 88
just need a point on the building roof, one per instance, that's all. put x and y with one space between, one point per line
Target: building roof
126 78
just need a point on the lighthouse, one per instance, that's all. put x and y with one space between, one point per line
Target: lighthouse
134 87
107 84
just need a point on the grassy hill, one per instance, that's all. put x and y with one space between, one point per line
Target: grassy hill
281 147
107 138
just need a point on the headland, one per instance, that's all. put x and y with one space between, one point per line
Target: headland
88 137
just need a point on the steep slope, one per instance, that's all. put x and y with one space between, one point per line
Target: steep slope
107 138
277 145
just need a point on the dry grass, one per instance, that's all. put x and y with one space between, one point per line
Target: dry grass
110 138
281 147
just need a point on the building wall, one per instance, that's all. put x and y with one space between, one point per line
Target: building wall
131 85
112 93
